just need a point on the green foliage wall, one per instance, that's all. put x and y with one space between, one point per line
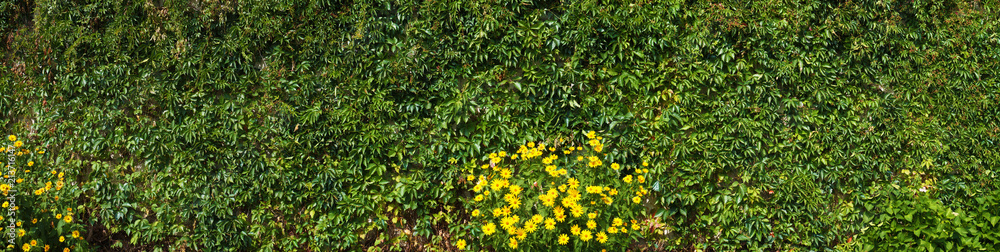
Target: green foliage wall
318 125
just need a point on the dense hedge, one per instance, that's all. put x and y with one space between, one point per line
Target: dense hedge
294 125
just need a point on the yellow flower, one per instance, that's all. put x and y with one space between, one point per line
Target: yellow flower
617 222
636 199
627 179
579 158
550 224
531 144
592 215
46 248
552 149
31 163
18 223
530 226
18 144
479 197
65 249
58 216
513 157
486 193
640 179
591 134
615 166
612 230
563 239
512 243
585 235
503 153
35 220
601 237
460 244
60 174
644 164
470 178
505 173
489 228
591 224
26 247
20 232
34 243
475 213
76 234
12 138
607 200
575 230
635 226
62 238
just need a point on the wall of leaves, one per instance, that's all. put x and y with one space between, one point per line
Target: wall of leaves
279 125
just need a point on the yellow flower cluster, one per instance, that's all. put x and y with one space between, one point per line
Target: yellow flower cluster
563 188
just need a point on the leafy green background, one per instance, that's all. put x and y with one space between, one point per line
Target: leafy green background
222 125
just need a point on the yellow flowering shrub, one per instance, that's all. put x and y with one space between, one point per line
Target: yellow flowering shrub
554 195
45 196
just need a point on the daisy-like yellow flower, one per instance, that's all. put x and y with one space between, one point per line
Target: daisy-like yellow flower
460 244
497 212
479 197
612 230
34 243
579 158
601 237
627 179
46 248
26 247
31 163
20 232
505 173
575 230
615 166
515 189
591 134
35 220
635 226
65 249
475 213
585 235
591 224
617 222
470 178
592 215
12 138
563 239
607 200
489 228
513 157
18 223
573 183
644 164
76 234
512 243
18 144
58 216
550 224
640 179
530 227
636 199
